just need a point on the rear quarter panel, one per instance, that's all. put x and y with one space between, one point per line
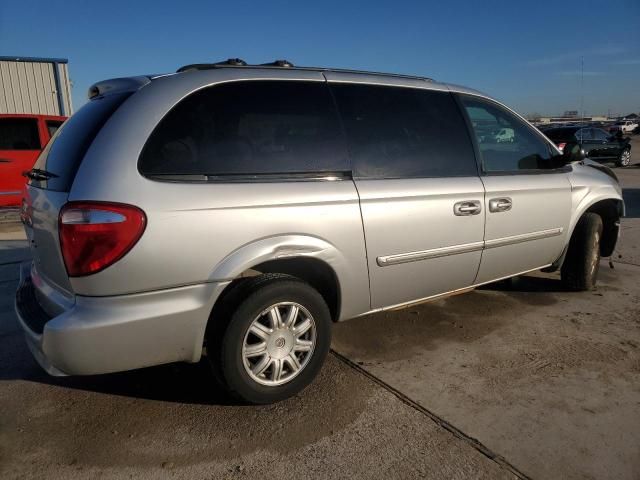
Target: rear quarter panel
194 228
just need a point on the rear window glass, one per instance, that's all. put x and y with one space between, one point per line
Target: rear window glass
249 128
19 134
64 152
396 132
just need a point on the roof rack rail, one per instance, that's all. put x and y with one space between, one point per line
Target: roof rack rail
229 62
278 63
237 62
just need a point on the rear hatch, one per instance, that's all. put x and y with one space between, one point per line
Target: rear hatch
50 182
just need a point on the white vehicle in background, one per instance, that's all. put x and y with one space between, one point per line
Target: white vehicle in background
504 135
625 126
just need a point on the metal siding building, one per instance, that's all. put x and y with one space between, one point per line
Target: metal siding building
35 85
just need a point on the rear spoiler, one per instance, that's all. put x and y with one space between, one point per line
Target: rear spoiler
117 85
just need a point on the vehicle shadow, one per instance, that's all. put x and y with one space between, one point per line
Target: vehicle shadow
178 383
527 284
632 201
13 251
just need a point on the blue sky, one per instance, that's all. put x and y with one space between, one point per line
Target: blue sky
526 53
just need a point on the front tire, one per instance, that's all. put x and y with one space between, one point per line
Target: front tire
580 268
274 342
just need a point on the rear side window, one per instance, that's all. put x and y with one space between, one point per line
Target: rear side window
53 126
19 134
396 132
560 134
249 128
584 134
600 135
64 152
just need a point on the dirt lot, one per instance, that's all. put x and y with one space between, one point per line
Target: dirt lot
520 379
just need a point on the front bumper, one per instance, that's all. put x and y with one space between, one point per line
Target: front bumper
110 334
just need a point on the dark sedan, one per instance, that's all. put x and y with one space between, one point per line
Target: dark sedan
597 144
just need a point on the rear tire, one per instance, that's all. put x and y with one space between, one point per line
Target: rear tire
625 158
256 357
580 268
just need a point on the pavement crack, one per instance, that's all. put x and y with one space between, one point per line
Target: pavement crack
626 263
473 442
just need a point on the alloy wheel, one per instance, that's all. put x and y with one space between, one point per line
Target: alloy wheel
279 343
625 158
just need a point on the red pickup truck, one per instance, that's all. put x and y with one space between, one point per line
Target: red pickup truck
22 138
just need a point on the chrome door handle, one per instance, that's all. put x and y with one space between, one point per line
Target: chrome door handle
466 208
500 204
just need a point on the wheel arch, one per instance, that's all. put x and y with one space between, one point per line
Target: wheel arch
611 210
311 259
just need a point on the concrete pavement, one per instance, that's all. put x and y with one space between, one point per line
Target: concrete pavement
548 379
519 378
171 422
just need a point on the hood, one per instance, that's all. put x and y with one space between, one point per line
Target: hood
603 168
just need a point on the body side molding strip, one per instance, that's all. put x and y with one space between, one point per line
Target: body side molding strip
428 254
525 237
385 261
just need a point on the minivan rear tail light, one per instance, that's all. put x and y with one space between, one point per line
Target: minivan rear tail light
94 235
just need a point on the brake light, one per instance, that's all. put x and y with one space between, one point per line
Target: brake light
561 146
94 235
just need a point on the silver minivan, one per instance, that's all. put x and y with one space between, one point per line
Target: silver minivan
235 211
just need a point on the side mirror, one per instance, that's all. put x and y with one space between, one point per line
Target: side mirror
573 152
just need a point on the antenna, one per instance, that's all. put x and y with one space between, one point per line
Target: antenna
582 88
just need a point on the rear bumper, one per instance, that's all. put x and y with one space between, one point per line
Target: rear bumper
111 334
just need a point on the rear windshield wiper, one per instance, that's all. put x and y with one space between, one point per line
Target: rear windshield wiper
39 174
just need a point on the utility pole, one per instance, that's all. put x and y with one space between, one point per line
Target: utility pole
582 88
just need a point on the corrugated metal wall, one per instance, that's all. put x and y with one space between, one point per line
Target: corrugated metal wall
30 87
65 85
